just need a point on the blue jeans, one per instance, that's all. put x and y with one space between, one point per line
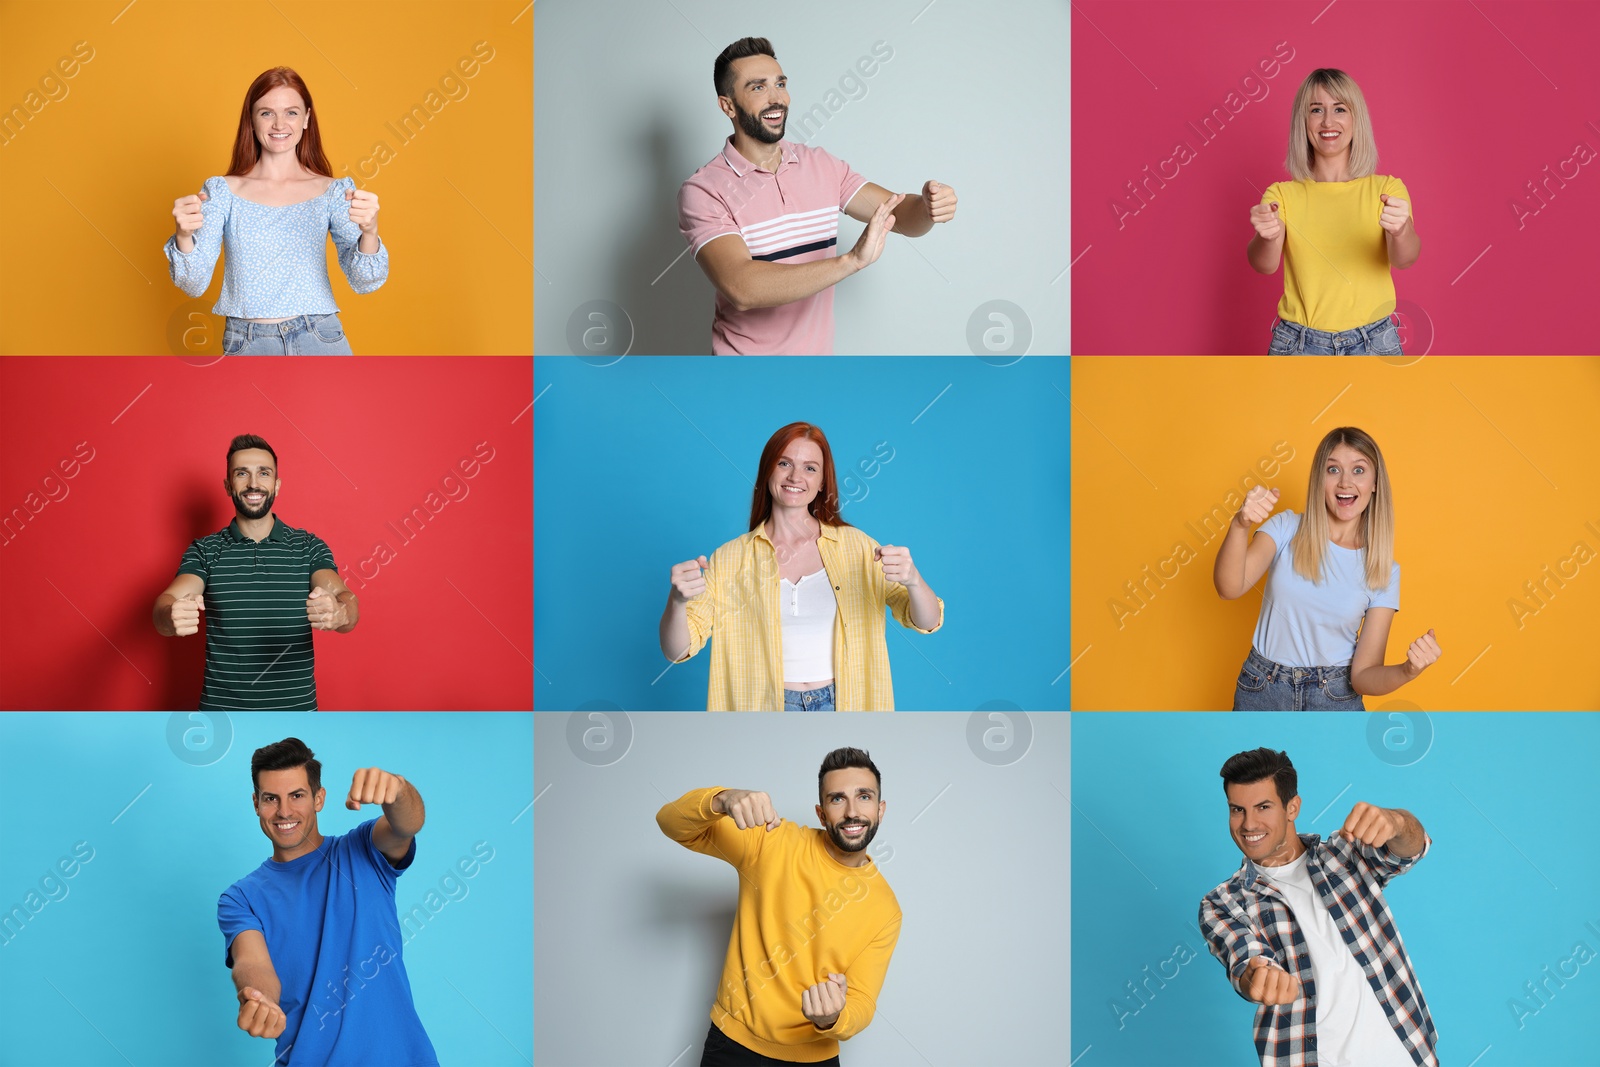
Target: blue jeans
1267 686
1379 338
304 335
809 699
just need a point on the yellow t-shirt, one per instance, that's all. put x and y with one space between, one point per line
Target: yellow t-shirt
740 609
1335 259
802 916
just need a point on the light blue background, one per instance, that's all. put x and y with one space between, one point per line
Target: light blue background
134 945
975 851
1481 915
975 96
650 461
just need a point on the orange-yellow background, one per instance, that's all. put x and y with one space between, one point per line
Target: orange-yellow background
153 114
1492 463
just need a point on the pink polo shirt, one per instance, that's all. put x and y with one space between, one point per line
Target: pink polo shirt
789 217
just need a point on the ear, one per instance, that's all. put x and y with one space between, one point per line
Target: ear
1293 808
322 795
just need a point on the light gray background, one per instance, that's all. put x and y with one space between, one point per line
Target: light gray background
631 928
975 96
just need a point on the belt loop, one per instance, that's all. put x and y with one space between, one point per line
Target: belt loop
249 332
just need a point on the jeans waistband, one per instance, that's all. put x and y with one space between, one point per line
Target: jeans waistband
298 324
1274 671
807 697
1326 339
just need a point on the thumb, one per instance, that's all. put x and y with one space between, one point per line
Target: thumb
252 992
838 979
703 562
204 196
1275 491
1383 197
1274 206
349 194
316 591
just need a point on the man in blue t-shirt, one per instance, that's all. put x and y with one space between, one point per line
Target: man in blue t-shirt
312 935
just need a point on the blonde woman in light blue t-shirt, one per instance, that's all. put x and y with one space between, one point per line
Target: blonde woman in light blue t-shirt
1332 588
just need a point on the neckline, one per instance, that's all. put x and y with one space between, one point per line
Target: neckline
244 199
803 577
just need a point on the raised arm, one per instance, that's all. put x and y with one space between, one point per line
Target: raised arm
177 610
353 223
403 812
1253 969
197 239
256 986
1242 560
677 632
917 211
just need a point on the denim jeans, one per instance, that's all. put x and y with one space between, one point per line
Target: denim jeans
304 335
723 1051
1267 686
1379 338
809 699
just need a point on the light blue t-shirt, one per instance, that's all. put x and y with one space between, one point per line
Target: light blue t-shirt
277 263
330 923
1307 625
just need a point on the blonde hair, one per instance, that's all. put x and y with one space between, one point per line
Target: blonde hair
1342 87
1310 541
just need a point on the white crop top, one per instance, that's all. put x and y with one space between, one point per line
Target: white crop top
807 608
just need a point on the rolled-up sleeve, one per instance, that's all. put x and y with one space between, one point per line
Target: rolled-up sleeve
191 271
365 271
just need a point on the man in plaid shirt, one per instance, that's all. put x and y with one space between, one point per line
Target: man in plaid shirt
1304 932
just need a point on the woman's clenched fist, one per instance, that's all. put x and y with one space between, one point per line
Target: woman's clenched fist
186 211
363 209
1258 504
1265 219
688 579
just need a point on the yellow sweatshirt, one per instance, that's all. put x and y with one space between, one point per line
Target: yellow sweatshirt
802 916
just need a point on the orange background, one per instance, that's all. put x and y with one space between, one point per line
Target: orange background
150 111
1491 461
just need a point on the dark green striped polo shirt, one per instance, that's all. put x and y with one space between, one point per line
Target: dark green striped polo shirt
258 640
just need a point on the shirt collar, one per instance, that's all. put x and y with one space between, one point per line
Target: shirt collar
275 534
742 166
830 533
1253 874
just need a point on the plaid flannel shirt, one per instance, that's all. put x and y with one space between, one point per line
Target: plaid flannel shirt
1246 916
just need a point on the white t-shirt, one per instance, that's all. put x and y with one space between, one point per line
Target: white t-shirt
807 609
1352 1028
1303 624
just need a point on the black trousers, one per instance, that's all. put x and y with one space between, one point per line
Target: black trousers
723 1051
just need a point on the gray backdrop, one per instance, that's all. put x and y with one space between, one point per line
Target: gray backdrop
974 96
631 928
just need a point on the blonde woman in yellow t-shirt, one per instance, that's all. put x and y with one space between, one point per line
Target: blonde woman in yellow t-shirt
1337 228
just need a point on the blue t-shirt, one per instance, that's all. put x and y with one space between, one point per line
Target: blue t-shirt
330 923
1307 625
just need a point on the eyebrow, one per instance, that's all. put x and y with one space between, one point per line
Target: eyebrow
1314 103
763 81
236 470
291 792
840 793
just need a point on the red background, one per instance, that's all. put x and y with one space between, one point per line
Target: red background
1463 119
395 427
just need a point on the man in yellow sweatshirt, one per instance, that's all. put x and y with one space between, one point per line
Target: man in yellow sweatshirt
816 922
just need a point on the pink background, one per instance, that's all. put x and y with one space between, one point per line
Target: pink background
1174 279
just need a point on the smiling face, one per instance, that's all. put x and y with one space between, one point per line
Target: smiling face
1260 824
850 810
280 118
1330 123
1348 479
287 810
797 476
760 100
252 482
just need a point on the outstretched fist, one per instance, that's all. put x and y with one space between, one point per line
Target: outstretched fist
747 808
1258 505
940 201
186 614
823 1002
1264 217
373 786
186 210
363 209
897 565
1396 213
258 1016
1267 983
689 578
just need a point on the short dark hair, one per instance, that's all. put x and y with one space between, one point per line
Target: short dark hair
282 756
840 758
743 48
1260 763
250 440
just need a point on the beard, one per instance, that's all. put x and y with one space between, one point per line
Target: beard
752 125
848 844
246 512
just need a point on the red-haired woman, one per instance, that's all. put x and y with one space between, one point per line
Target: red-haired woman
275 209
797 603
